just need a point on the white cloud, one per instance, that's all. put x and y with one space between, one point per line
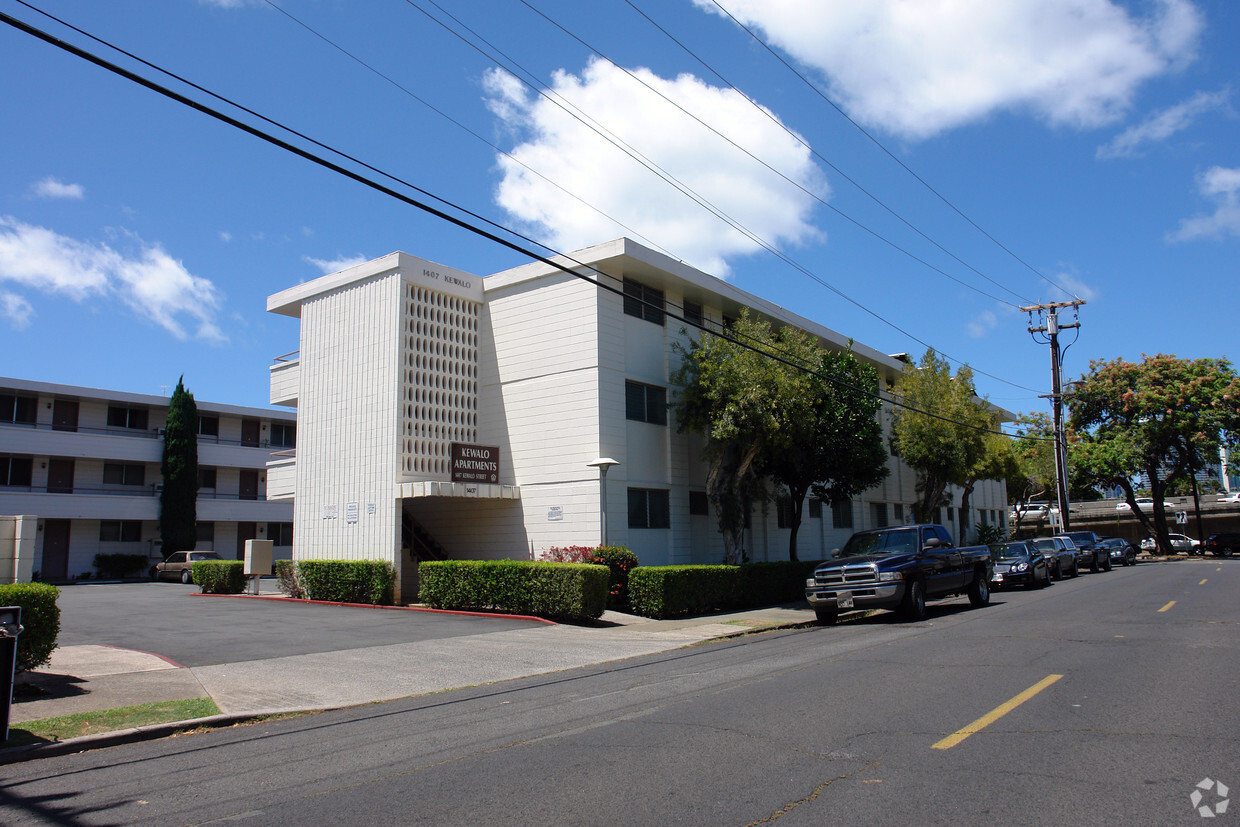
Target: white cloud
148 280
563 149
1221 185
51 188
982 324
919 68
335 265
225 236
16 309
1162 125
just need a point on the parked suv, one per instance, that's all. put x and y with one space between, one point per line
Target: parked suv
1060 553
1088 553
1223 544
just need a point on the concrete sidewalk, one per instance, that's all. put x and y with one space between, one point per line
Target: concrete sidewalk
93 678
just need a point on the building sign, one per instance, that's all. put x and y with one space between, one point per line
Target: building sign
350 512
555 513
475 463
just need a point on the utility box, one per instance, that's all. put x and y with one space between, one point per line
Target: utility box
10 628
258 558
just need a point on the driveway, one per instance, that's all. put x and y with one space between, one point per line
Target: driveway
176 622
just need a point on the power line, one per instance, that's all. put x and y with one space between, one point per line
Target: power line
434 211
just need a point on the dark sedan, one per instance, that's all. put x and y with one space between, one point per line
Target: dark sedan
1121 551
1019 564
1061 554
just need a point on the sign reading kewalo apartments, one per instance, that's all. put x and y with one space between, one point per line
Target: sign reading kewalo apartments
475 463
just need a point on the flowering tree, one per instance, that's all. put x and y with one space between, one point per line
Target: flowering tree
1164 416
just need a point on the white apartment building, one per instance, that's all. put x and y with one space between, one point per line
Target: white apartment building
85 464
445 414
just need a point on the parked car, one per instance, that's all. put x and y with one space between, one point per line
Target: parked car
1146 504
1233 497
1061 556
1223 544
1019 564
1087 552
179 565
1121 551
1179 543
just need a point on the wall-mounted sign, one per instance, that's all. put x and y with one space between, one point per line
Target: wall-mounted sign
330 512
370 508
475 463
555 513
350 512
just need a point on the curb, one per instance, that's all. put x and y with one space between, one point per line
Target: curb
376 606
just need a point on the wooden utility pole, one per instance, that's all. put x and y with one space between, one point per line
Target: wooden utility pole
1050 329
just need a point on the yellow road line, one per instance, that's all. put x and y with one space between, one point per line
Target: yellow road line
1168 606
1203 581
995 714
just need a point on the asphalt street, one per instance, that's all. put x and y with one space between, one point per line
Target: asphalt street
1101 700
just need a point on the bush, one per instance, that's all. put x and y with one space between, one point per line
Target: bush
569 591
620 561
288 576
570 554
768 584
669 591
41 619
116 566
347 581
220 576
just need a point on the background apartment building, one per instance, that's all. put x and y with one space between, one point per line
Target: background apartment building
86 464
404 364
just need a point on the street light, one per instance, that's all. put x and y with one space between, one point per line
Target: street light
602 464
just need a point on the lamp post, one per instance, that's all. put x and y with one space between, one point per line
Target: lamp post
602 464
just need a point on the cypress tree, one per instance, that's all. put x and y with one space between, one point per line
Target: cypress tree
178 502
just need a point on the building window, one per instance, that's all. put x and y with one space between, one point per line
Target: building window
643 302
16 471
898 510
815 509
841 514
208 425
120 531
878 515
280 534
693 313
18 410
204 532
283 436
649 508
116 474
120 416
698 504
783 512
206 477
645 403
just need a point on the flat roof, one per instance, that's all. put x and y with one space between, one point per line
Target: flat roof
151 400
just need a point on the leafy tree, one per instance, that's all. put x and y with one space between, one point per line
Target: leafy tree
1033 474
832 443
940 433
998 460
179 499
762 417
1164 416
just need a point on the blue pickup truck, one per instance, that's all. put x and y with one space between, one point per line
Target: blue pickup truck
898 568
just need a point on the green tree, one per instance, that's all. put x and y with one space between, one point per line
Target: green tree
1163 416
998 461
179 499
938 430
831 444
764 418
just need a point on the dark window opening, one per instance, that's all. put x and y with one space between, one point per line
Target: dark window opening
645 403
649 508
123 417
699 506
643 302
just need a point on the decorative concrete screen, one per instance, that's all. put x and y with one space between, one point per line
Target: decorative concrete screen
440 387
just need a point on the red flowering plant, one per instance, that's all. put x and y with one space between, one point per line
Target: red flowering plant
617 559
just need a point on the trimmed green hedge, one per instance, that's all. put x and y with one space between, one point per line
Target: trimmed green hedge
347 581
116 566
220 576
569 591
40 619
673 591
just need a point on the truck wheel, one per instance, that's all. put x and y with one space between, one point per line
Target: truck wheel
1076 568
913 606
1106 562
1093 564
826 617
979 589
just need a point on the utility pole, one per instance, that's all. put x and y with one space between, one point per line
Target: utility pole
1050 329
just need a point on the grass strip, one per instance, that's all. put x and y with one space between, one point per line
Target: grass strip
108 720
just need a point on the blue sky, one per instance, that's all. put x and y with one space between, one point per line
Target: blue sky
1073 147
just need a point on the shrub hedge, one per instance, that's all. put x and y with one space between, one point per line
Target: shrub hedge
347 581
568 591
673 591
619 561
116 566
220 576
40 619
